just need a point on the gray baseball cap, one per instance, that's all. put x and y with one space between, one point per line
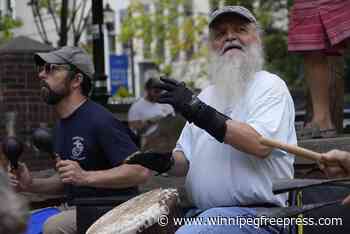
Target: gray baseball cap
238 10
68 55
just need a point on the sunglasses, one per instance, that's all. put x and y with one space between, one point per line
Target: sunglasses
52 68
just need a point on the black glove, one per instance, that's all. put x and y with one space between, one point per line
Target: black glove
191 108
159 162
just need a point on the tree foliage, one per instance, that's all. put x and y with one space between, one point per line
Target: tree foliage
7 23
164 29
166 32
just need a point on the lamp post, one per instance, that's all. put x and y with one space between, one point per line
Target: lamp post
100 93
109 19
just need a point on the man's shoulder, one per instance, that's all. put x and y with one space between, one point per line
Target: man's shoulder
98 113
206 92
267 82
269 78
139 103
97 108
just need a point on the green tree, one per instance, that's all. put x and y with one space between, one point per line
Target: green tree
7 23
167 30
164 29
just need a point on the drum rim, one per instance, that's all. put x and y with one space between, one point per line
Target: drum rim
140 223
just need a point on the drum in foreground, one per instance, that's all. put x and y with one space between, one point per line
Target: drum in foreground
147 213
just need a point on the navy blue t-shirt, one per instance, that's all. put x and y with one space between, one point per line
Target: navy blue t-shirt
94 138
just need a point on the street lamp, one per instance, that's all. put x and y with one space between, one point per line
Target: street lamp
109 19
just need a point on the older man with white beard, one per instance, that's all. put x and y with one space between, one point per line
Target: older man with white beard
228 172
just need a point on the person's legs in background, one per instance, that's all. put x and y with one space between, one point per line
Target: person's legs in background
318 33
317 75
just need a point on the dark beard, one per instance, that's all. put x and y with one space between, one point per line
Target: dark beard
49 96
152 99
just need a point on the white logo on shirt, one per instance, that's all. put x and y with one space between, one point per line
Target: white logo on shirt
78 148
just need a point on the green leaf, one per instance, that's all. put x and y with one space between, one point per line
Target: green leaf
7 23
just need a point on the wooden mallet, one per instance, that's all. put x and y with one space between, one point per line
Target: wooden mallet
293 149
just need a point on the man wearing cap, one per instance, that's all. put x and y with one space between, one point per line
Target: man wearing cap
228 172
90 143
146 112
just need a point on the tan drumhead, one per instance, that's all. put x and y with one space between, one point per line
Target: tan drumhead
135 214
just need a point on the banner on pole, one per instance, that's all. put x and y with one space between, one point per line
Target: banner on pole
118 74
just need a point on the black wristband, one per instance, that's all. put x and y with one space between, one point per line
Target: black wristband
207 118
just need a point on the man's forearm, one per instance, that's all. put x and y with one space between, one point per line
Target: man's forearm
51 185
221 127
206 117
245 138
118 177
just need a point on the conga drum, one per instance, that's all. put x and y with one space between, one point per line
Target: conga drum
152 212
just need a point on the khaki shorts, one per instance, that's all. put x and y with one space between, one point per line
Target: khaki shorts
63 223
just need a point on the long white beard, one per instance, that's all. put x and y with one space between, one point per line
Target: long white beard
230 74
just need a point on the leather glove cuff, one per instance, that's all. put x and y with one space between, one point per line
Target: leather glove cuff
206 117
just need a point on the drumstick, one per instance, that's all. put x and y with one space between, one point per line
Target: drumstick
293 149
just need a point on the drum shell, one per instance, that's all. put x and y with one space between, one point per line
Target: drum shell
90 209
175 211
141 214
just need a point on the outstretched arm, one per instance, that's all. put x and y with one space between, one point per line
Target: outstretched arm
239 135
245 138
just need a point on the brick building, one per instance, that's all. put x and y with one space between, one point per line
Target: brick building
19 92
